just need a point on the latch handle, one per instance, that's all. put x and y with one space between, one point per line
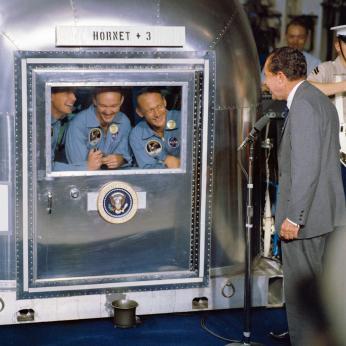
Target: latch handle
50 202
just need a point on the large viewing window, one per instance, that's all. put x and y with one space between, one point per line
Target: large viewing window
86 119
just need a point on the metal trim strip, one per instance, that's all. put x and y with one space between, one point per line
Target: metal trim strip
127 61
116 285
25 176
204 168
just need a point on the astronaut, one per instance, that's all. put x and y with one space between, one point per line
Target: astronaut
62 103
97 137
155 141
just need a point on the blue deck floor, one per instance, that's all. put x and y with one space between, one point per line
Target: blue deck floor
169 329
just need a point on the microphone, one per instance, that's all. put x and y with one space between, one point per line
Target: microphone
259 125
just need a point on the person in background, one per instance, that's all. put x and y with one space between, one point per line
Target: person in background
297 33
97 137
311 202
323 78
155 141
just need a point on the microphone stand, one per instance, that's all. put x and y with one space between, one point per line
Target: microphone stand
248 277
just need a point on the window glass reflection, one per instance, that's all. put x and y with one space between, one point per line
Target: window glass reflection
112 127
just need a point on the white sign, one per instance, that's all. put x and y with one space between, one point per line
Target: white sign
4 208
92 200
142 36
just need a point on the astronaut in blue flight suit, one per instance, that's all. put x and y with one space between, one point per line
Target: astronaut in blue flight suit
97 137
62 103
155 141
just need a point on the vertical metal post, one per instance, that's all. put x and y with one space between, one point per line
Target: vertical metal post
248 230
248 268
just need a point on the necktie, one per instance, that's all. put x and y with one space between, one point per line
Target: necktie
285 112
285 116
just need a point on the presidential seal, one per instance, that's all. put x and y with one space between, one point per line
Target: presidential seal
117 202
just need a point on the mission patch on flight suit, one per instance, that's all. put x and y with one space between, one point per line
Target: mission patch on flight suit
95 135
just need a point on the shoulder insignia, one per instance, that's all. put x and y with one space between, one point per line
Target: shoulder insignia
173 142
316 70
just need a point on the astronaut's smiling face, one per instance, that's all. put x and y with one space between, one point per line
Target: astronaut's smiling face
107 106
62 103
152 106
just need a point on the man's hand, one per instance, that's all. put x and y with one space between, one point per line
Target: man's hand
288 230
113 161
172 162
94 160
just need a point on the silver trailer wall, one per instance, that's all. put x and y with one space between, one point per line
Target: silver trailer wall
219 58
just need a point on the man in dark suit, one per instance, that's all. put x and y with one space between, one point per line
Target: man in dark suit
311 202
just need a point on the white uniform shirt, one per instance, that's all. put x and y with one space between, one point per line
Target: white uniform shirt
311 62
326 72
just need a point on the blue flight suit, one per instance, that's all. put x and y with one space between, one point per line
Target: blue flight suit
79 134
151 150
56 128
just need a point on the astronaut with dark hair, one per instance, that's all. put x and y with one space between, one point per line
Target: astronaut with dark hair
62 103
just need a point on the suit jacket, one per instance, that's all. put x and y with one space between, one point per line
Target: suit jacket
310 185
